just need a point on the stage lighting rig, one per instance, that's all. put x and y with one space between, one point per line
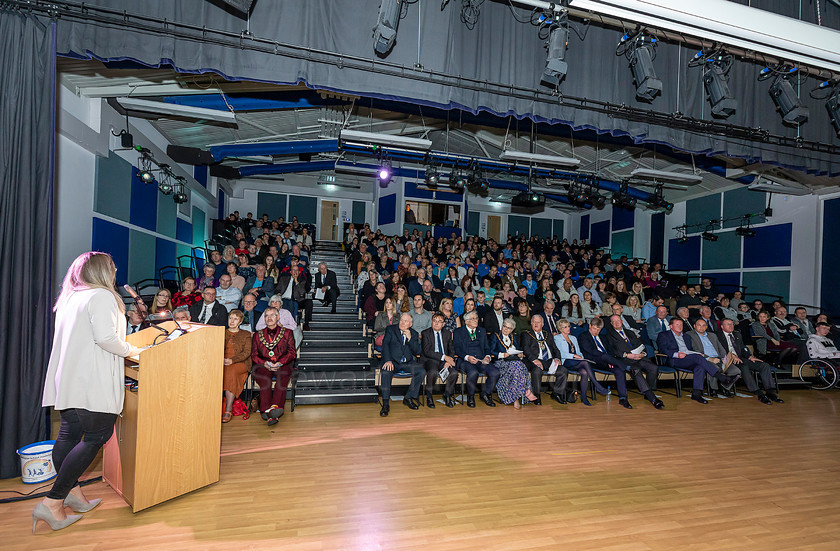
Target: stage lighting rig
623 199
715 81
640 50
385 172
165 180
555 62
180 195
744 230
457 179
658 200
832 104
432 176
387 23
786 100
476 182
146 161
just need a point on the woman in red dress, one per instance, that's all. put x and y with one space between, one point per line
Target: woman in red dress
273 353
188 296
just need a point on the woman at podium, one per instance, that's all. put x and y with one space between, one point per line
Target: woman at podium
272 352
85 380
237 360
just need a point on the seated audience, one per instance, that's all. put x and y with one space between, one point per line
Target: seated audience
188 295
421 318
747 363
272 354
237 361
209 311
522 318
181 314
400 349
706 342
235 279
572 358
767 339
228 295
594 349
550 317
162 303
259 285
250 315
622 343
209 277
541 357
451 321
820 346
438 354
473 352
136 320
374 303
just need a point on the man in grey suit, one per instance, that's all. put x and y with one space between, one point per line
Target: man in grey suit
658 324
800 319
707 342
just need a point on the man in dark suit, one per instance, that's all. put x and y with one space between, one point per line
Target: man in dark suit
326 282
431 298
677 347
539 353
208 310
493 318
474 358
400 349
750 365
294 287
251 313
550 317
439 353
593 348
621 343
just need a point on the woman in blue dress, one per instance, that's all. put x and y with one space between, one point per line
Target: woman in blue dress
514 379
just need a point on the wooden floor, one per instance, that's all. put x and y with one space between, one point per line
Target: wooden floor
734 474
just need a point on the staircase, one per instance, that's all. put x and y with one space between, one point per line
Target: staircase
334 367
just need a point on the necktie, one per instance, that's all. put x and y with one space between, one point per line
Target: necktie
203 317
551 323
663 325
623 336
731 343
543 347
439 342
133 329
599 345
403 358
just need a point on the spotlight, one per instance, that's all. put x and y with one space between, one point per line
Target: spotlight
385 31
644 74
745 231
623 199
165 187
598 201
432 176
180 196
787 102
833 107
146 176
476 181
384 174
457 179
709 236
721 99
658 200
682 239
555 62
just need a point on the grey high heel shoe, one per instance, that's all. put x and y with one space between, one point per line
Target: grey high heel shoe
80 506
42 512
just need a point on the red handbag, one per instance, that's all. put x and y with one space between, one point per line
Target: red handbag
239 408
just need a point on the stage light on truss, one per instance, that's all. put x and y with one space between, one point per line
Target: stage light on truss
387 23
644 73
682 239
787 102
457 179
555 62
384 173
709 236
476 181
432 176
623 199
180 195
833 108
716 83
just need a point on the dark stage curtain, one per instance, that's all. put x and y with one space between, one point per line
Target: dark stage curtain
27 63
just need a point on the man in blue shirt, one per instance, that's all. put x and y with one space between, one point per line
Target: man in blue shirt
704 340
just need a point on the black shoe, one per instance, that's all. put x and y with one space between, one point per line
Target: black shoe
584 400
471 401
775 398
449 401
604 391
487 399
386 407
658 404
713 393
273 421
699 398
557 398
764 399
333 309
624 403
410 403
726 392
728 381
571 397
430 401
264 415
306 327
538 401
276 413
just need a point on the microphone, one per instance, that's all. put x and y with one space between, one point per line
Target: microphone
141 307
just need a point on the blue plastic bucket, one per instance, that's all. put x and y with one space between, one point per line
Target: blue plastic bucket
36 464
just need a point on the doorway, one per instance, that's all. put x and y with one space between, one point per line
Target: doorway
494 227
329 221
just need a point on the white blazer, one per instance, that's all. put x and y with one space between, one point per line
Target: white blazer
86 368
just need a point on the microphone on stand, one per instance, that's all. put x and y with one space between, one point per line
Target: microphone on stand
141 307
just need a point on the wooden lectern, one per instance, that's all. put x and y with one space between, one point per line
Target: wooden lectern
167 440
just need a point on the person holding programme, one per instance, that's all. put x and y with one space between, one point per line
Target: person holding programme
85 380
514 379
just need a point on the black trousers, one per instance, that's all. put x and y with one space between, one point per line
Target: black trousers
561 377
748 374
80 437
417 373
473 371
433 367
644 372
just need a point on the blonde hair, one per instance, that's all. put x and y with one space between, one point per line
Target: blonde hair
167 307
91 270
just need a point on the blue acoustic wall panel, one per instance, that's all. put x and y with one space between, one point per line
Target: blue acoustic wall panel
684 256
272 204
412 191
657 237
112 188
443 195
144 200
111 238
701 210
473 222
200 174
742 201
584 226
600 234
769 248
622 219
166 215
164 253
622 244
222 212
183 231
387 209
829 297
726 282
305 208
541 227
771 282
558 229
358 215
142 256
519 225
723 254
198 224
